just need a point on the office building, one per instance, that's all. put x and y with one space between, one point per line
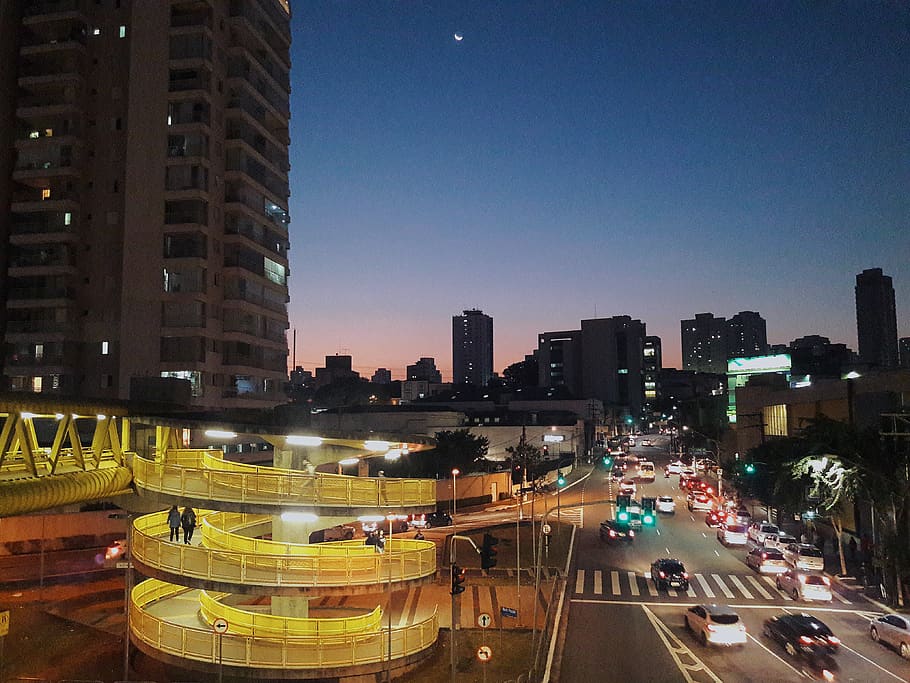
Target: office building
337 367
424 369
560 362
144 213
903 345
652 362
704 343
472 348
382 376
876 319
747 335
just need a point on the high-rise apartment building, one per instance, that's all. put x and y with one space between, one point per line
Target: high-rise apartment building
144 217
652 364
876 318
472 348
704 343
747 335
424 369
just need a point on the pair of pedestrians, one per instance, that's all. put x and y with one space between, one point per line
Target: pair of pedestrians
185 519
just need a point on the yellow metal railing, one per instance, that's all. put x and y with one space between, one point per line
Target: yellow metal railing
255 651
213 478
260 624
230 557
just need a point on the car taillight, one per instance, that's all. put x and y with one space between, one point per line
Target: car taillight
834 640
827 675
711 627
805 640
826 580
631 533
662 575
764 556
685 575
612 533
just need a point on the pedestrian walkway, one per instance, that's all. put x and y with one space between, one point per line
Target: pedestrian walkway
618 584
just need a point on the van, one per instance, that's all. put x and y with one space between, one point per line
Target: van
646 470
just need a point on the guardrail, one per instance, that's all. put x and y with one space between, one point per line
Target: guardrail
211 477
300 653
227 556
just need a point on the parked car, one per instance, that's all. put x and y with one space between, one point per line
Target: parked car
766 560
666 504
804 556
339 532
612 531
801 633
801 585
893 630
716 624
758 531
732 534
669 573
438 518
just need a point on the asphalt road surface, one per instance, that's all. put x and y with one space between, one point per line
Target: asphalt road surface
620 628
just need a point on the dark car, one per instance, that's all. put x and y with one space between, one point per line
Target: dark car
801 634
612 531
438 519
669 573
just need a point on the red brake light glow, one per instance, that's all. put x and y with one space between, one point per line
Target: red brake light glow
834 640
805 640
612 533
685 575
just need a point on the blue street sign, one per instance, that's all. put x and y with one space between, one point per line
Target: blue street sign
508 612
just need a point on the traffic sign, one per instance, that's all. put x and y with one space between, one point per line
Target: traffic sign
220 625
484 620
546 529
484 653
4 622
124 565
508 612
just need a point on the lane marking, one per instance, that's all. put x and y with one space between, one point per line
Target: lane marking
685 604
691 591
672 593
773 585
877 666
840 597
677 649
580 581
652 588
723 587
633 583
614 583
742 588
774 654
705 586
598 582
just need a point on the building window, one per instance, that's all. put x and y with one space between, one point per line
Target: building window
96 31
107 381
105 348
67 218
45 193
36 384
122 32
39 351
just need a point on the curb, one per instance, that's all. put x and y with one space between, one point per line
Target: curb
837 579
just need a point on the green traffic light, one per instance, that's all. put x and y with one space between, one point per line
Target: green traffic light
561 480
648 519
623 516
750 468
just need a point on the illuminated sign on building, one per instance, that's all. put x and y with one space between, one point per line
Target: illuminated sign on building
741 370
553 438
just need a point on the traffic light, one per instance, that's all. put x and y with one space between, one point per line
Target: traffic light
457 579
622 505
648 518
516 474
750 468
608 461
560 480
488 552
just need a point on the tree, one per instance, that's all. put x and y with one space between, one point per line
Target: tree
458 449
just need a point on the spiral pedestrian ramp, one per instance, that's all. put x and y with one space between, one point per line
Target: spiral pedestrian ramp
250 564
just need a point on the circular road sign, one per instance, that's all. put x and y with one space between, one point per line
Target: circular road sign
484 653
546 529
484 620
220 625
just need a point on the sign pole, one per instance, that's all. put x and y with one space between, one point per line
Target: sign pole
220 657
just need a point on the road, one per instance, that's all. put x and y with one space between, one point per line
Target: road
621 629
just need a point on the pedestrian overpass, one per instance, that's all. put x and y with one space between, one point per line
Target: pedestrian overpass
250 566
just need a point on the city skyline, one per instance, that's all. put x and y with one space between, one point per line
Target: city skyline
570 162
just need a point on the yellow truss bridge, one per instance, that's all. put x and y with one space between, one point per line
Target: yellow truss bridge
250 565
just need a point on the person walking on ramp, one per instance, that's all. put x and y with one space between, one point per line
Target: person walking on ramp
173 521
188 522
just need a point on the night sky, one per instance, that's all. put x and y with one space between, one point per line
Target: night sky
571 160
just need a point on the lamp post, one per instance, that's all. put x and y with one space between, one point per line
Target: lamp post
455 473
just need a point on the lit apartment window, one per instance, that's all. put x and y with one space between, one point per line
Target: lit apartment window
96 31
45 193
122 32
39 351
36 384
67 218
105 348
34 135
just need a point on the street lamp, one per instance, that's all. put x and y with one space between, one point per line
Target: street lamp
455 473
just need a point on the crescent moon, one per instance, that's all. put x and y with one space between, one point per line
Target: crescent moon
458 38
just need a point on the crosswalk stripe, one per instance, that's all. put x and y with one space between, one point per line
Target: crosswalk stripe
757 586
705 586
773 585
614 579
580 581
841 598
633 583
672 592
742 588
652 589
691 592
598 582
723 587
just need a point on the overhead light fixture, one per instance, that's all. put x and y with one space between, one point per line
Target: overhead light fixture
347 462
100 417
220 434
393 454
27 415
298 517
371 518
376 446
299 440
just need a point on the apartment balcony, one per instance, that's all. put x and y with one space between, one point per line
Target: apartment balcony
29 296
39 225
244 229
41 111
21 328
270 24
39 11
55 48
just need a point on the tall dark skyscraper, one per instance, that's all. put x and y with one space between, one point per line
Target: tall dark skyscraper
472 348
747 335
876 319
704 343
144 197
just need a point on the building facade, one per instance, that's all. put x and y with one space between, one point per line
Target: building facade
652 364
145 215
472 348
903 345
704 340
424 370
747 335
876 319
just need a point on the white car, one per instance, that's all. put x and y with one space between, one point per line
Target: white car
675 467
646 442
646 470
686 471
894 630
732 534
804 556
716 624
666 504
699 500
779 541
801 585
758 531
767 560
627 487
